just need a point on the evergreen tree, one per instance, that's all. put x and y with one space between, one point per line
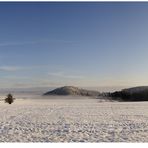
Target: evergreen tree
9 99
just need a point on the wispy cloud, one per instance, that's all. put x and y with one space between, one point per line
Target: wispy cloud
17 43
14 43
63 75
9 68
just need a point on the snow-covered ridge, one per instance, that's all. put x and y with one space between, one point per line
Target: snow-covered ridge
71 90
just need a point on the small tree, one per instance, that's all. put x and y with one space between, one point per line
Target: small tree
9 99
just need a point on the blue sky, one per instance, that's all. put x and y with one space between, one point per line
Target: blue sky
81 44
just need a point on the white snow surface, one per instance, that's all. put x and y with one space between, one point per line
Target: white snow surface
73 120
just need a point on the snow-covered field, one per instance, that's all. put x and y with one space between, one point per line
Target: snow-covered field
73 120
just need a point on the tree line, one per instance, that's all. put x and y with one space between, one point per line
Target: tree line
129 96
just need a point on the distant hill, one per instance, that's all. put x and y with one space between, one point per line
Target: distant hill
71 90
132 94
136 89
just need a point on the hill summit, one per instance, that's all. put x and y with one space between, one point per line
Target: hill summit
132 94
71 90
